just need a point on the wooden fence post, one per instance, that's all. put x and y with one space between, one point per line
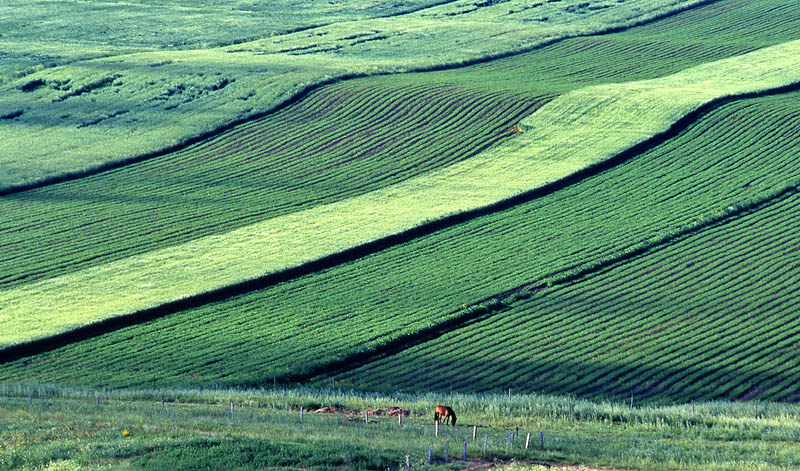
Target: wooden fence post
485 441
509 394
30 399
231 407
162 404
400 419
474 432
510 434
429 454
366 416
408 463
465 451
436 428
527 440
631 406
541 439
447 451
301 412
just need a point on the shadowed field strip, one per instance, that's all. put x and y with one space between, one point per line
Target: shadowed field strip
576 130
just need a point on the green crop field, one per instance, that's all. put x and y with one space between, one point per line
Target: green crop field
402 290
559 216
182 271
710 315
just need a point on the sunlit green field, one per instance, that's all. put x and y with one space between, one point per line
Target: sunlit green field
572 132
109 105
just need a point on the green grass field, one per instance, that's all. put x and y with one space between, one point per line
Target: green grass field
61 429
86 113
400 291
709 315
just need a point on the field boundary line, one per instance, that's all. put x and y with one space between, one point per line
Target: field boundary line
554 152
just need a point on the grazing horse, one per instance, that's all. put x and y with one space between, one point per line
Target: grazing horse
444 412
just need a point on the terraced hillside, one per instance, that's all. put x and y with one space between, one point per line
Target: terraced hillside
165 208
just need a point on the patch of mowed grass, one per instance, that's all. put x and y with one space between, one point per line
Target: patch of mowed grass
195 429
571 133
55 136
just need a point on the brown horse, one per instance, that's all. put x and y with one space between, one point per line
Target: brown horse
444 413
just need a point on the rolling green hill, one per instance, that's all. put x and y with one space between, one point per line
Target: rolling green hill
644 202
737 155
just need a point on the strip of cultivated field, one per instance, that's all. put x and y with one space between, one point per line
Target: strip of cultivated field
574 131
740 152
711 316
345 140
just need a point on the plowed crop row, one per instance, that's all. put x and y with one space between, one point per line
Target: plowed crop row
708 317
345 140
742 151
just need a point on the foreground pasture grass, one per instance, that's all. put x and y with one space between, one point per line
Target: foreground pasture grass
574 131
742 152
67 429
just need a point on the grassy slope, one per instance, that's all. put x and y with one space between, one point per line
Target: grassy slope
406 294
87 113
342 141
42 35
67 430
287 328
574 131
